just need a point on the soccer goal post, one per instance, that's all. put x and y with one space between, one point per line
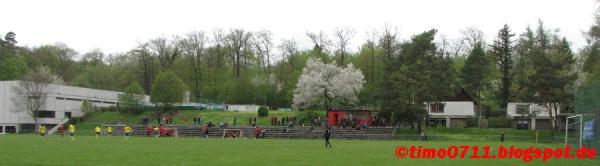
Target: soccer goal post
582 130
574 123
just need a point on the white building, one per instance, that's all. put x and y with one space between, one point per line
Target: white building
453 111
529 115
241 108
62 102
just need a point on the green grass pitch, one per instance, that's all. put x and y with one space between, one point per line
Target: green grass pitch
29 149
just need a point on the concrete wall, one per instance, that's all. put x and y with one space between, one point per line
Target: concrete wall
241 108
540 110
60 99
458 122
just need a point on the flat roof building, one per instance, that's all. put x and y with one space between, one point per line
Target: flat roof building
62 102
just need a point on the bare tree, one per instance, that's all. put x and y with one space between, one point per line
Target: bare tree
371 37
32 91
320 40
289 48
472 37
388 40
218 42
166 50
263 44
194 46
143 55
343 36
237 41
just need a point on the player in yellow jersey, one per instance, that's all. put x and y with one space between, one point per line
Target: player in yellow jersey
128 131
109 130
72 132
98 130
42 131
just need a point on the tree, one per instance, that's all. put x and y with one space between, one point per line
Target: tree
9 40
414 79
502 50
145 59
194 47
343 37
12 66
551 82
475 74
320 40
58 57
132 98
388 41
167 51
86 106
289 49
263 44
237 41
167 89
32 91
472 37
93 58
327 84
591 52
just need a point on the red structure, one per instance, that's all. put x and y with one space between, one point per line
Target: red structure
338 117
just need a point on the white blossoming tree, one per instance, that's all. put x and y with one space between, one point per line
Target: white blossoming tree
325 84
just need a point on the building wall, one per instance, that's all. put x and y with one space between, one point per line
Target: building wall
242 108
60 99
541 111
458 122
455 108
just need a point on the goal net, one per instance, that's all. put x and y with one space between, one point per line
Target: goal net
232 133
582 130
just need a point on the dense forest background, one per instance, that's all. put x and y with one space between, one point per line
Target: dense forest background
246 67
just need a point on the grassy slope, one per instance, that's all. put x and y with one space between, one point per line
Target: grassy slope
29 150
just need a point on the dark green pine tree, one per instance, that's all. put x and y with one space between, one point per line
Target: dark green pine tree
502 50
552 80
475 74
476 71
413 81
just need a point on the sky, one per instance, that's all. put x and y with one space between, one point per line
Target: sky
116 26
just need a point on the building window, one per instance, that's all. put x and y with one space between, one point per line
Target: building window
46 114
67 114
437 107
73 99
11 129
523 109
1 129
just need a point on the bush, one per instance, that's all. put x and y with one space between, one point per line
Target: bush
309 115
499 123
263 111
74 120
108 109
